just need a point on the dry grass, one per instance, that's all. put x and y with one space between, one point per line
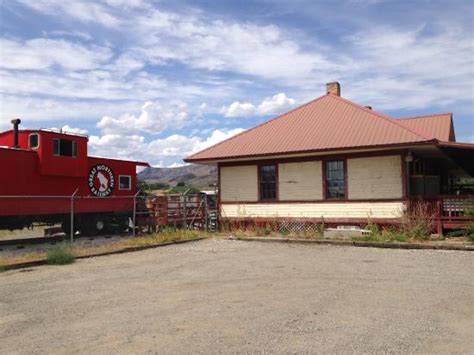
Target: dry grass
23 258
265 232
78 250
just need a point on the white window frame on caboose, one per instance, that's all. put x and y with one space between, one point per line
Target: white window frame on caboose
129 182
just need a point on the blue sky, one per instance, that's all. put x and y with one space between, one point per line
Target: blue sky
157 80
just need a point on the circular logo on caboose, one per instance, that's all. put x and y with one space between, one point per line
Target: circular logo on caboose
101 180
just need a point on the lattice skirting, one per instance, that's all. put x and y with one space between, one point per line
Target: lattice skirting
292 225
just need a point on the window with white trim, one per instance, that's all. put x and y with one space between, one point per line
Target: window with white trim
33 141
125 182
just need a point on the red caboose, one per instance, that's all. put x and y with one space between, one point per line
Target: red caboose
43 169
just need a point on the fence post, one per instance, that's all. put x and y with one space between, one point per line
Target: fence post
206 213
135 211
185 211
72 215
439 216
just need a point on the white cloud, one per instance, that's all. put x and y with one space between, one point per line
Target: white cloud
274 54
215 45
73 34
32 109
216 137
275 104
83 11
42 53
158 152
108 83
5 125
69 129
95 84
403 68
239 109
126 63
270 105
154 118
201 42
126 3
386 67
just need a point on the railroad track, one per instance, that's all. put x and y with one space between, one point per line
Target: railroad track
22 242
31 241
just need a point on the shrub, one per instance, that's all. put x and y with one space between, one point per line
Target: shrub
373 228
419 221
469 211
457 233
60 255
394 235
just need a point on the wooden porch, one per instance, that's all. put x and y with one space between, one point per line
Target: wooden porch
448 212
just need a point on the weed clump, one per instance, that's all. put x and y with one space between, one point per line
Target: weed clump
60 255
263 231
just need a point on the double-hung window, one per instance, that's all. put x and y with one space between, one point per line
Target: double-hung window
268 182
335 179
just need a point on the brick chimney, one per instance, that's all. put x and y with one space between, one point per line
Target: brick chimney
333 88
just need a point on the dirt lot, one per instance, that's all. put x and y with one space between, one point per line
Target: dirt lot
233 296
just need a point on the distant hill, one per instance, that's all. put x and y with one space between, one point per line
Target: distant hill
193 175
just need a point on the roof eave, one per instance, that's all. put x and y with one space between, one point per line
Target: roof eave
212 160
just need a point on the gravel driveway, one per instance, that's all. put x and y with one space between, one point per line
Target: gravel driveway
234 296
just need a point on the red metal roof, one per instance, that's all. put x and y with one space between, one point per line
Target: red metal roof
327 123
439 126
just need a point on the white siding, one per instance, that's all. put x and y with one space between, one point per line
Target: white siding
314 210
375 177
300 181
239 183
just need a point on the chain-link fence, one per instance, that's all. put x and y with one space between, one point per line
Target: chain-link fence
86 215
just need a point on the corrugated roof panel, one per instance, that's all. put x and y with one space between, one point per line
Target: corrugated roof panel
328 122
437 126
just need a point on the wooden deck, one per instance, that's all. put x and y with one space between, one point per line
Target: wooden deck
449 212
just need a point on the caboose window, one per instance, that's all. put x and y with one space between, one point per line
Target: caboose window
33 141
125 182
64 147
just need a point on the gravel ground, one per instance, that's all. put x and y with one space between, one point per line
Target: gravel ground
234 296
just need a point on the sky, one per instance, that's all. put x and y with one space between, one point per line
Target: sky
158 80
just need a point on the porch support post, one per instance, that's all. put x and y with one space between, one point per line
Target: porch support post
439 209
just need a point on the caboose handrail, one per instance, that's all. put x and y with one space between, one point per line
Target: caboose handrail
59 130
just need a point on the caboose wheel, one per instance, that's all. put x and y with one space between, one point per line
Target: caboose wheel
95 225
99 226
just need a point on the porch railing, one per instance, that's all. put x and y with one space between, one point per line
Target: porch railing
449 211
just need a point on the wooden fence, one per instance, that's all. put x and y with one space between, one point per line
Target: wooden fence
198 211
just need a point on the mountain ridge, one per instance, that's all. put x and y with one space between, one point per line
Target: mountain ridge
192 175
